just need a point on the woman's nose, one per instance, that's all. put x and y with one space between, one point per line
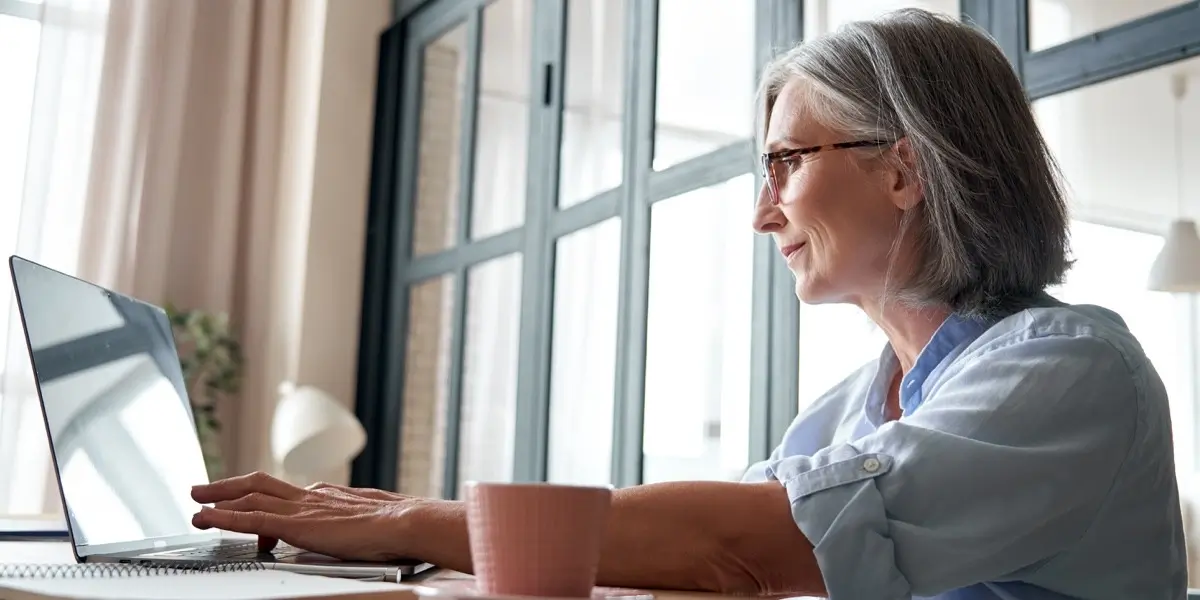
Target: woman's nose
767 216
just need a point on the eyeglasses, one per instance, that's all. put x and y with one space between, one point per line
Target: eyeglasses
776 166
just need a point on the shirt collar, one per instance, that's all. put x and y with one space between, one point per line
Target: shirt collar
952 335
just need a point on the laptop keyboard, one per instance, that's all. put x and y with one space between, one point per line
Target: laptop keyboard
242 551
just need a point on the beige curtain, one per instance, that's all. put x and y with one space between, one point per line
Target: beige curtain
202 158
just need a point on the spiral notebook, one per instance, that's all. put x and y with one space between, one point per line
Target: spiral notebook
227 581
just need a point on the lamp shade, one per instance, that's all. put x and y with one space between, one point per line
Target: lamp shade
1177 268
312 433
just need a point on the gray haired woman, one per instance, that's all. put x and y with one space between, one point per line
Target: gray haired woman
1003 445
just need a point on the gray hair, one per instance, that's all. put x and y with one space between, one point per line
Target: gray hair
991 233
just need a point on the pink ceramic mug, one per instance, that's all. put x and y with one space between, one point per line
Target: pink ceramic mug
536 539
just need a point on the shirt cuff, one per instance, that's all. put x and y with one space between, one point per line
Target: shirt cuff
838 507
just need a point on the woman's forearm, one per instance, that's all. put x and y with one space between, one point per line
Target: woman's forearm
711 536
708 535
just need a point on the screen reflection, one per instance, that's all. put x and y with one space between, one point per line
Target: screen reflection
115 405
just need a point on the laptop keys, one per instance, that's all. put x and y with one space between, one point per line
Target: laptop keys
247 550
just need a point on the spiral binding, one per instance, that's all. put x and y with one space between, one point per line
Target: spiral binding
121 570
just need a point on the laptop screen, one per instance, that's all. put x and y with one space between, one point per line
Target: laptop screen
116 408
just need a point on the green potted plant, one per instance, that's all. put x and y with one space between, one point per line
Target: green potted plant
211 358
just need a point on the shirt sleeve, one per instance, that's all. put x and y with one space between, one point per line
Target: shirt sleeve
758 472
1005 463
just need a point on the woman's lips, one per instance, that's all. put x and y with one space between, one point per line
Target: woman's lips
790 249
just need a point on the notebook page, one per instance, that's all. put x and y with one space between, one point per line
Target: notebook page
244 585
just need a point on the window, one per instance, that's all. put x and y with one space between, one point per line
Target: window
564 168
1081 127
698 340
489 387
584 350
703 45
502 119
594 100
835 340
1053 22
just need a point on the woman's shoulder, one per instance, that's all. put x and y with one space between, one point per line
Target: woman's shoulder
1086 324
1080 337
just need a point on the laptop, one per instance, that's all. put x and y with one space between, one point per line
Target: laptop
124 445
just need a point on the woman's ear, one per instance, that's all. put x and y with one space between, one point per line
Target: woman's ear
906 188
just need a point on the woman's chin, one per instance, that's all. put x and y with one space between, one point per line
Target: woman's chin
815 290
807 291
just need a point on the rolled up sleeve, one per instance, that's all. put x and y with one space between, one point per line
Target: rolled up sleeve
1005 464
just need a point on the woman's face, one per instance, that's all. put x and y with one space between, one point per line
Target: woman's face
839 210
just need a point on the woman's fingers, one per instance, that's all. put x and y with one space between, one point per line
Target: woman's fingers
257 501
254 522
266 544
326 520
236 487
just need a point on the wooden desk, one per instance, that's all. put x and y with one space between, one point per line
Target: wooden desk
60 552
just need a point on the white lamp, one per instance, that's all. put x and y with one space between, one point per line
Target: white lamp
312 433
1177 267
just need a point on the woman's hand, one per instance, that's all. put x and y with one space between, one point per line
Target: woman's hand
361 492
343 522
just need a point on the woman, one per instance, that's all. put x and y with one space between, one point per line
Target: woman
1003 445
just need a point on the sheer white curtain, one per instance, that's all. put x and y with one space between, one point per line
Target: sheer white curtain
160 135
51 78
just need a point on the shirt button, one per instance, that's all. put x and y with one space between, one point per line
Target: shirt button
870 465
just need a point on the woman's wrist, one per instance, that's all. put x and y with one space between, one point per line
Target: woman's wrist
435 531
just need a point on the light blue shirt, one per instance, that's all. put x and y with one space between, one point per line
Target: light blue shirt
1033 461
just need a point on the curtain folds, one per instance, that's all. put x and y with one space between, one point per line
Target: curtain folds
162 136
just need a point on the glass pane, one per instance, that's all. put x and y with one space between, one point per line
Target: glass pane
835 340
706 69
594 100
698 342
1110 270
1052 22
426 380
583 363
489 392
502 133
1120 170
443 79
823 16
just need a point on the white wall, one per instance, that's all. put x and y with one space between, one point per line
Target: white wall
1116 144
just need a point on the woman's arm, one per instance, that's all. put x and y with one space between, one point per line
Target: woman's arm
710 536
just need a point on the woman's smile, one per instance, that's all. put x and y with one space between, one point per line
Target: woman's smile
791 250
